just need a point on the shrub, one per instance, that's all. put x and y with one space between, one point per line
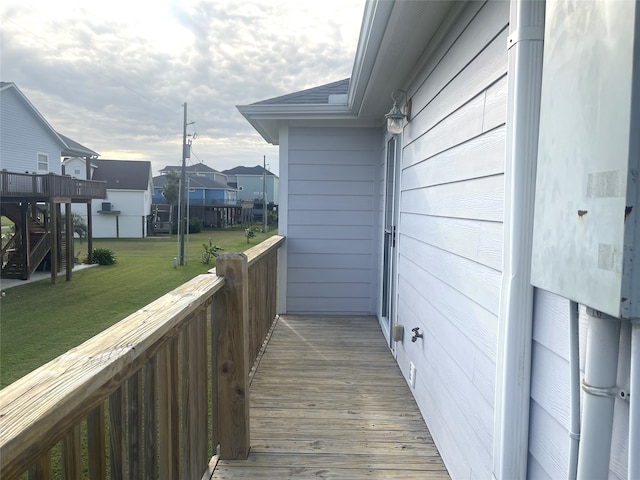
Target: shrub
195 225
104 256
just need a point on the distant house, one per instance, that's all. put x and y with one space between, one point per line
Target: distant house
32 189
429 223
251 181
207 194
125 211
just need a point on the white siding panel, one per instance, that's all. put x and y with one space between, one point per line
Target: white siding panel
480 198
344 261
336 173
476 240
477 76
473 321
338 232
341 140
331 185
326 275
462 44
550 383
331 188
479 157
464 124
331 217
329 203
329 305
450 234
447 392
535 470
329 157
495 108
478 283
548 442
328 247
551 322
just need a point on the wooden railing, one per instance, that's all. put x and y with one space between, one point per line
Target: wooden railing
152 396
49 186
40 250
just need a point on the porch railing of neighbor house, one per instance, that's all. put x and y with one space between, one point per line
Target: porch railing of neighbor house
154 395
49 186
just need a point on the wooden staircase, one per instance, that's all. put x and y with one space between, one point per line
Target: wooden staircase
14 252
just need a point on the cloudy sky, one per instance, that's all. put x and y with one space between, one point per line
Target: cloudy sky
113 75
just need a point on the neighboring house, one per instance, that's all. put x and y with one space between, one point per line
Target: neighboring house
125 211
207 194
251 181
431 229
32 189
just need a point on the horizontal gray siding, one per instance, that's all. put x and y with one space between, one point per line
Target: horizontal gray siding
23 136
549 440
450 235
330 226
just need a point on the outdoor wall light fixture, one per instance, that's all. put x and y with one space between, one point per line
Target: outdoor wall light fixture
397 114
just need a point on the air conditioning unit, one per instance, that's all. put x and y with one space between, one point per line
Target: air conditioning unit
106 206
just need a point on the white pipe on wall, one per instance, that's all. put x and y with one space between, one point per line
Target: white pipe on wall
515 318
574 389
634 403
600 375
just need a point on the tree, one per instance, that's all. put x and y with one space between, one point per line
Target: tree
79 227
171 190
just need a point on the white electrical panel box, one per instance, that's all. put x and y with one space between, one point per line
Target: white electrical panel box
586 229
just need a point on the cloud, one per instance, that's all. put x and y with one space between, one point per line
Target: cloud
114 75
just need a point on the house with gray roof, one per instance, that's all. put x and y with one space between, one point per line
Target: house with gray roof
208 196
125 211
252 181
32 189
474 187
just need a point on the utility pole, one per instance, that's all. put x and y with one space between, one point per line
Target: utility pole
264 193
181 225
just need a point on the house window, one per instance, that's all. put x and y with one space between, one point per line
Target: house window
43 162
76 171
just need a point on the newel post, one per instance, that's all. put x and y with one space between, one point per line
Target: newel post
232 310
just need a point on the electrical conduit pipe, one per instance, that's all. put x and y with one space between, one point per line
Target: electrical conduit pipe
634 402
599 385
574 389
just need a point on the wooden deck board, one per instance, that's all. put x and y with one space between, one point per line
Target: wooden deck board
328 401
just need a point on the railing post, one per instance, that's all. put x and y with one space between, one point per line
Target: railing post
233 357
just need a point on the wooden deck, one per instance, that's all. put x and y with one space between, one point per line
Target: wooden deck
329 401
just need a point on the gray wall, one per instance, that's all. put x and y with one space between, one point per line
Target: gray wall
330 234
450 242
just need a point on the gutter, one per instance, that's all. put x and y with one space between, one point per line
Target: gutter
513 366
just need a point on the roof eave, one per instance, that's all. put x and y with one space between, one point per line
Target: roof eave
266 118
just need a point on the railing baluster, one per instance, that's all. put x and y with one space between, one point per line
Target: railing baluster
96 443
71 455
134 410
117 434
41 470
168 413
213 320
202 391
186 447
150 418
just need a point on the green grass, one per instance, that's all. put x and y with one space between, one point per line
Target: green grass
40 321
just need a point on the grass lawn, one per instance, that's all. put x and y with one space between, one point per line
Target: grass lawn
40 321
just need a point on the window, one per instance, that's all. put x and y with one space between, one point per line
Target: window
43 162
76 171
